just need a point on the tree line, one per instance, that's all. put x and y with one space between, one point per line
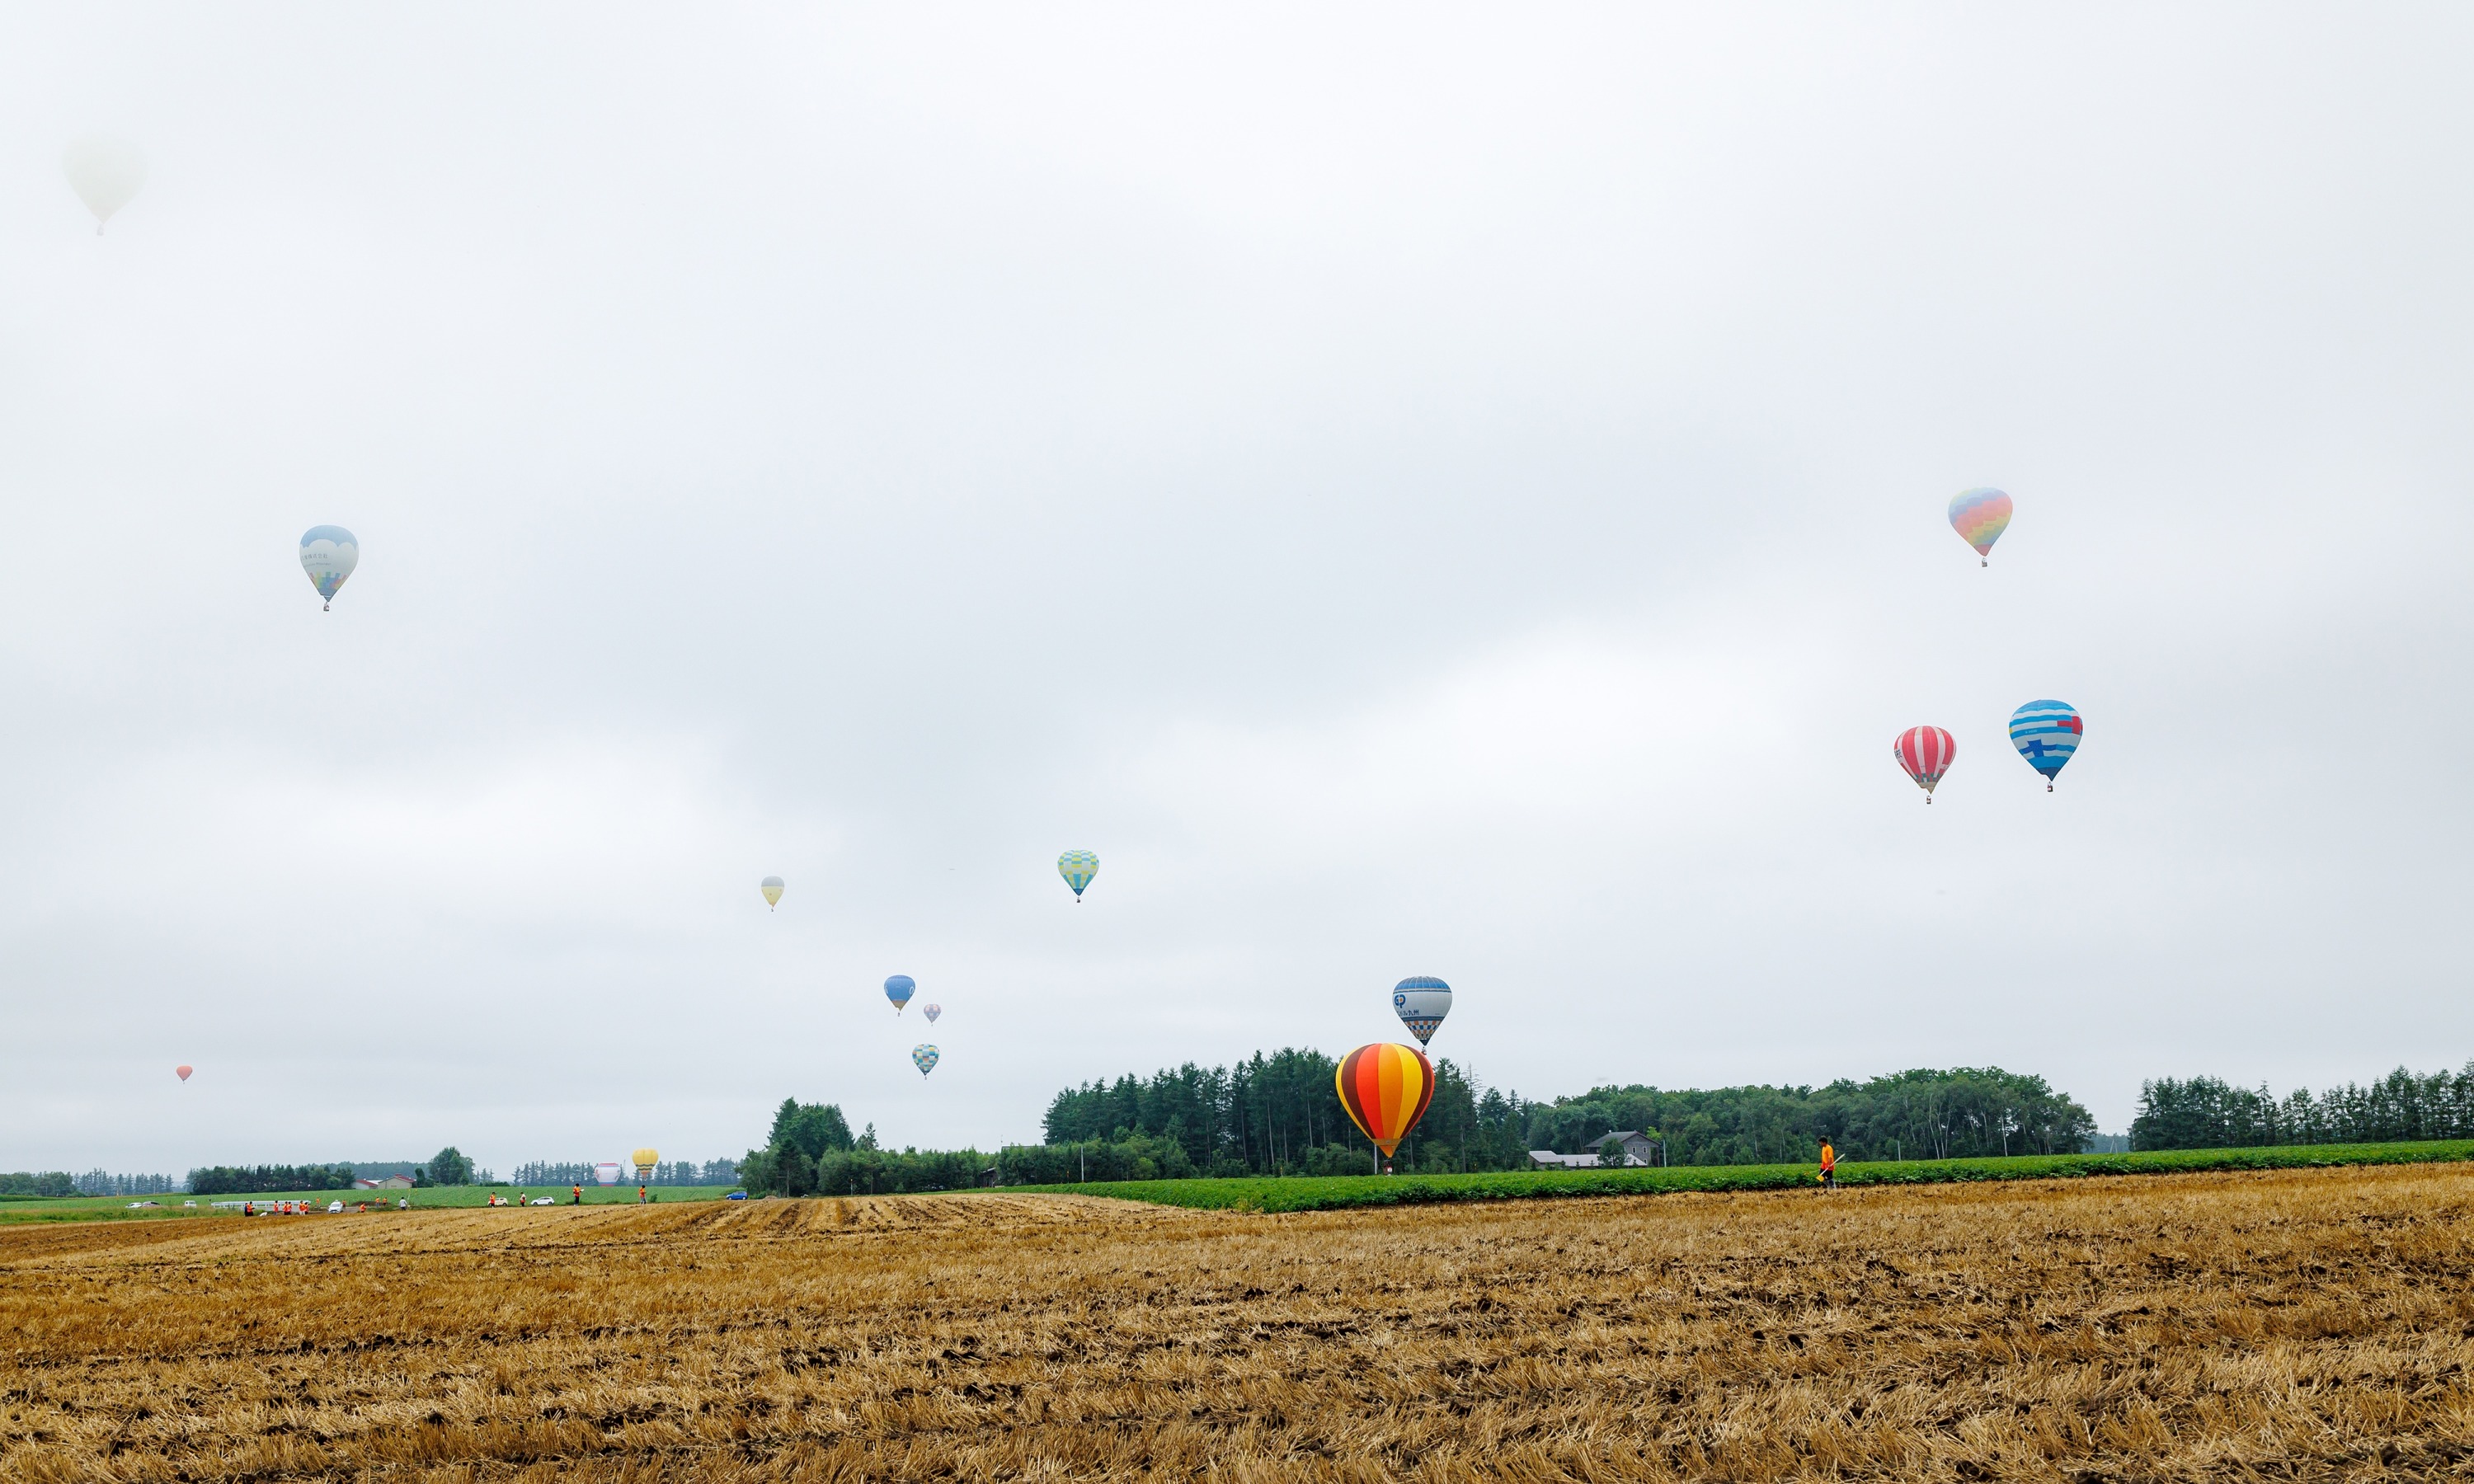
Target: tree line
670 1172
811 1151
2208 1113
1280 1114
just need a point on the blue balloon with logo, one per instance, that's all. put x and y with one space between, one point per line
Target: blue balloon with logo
2045 733
899 988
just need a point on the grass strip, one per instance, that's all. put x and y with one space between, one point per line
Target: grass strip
1340 1193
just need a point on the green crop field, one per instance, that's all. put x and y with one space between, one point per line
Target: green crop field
111 1207
1341 1191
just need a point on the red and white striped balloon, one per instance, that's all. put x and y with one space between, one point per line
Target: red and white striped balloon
1926 752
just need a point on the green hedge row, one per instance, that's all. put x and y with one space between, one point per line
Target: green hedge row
1337 1192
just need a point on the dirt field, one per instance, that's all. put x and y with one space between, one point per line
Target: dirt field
2302 1323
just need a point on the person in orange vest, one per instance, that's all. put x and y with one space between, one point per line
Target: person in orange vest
640 1195
1829 1165
579 1196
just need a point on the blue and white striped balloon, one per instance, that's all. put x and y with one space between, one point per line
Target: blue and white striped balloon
2045 733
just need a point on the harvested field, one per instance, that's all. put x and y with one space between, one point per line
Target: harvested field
2309 1324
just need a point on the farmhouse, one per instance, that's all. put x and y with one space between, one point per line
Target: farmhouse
386 1182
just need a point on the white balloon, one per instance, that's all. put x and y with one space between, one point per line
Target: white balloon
328 554
105 172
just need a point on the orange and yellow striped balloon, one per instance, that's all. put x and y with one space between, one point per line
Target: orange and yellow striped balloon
1386 1089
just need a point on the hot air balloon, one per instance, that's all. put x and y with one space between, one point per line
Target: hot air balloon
182 1071
899 990
328 554
931 1012
606 1173
1077 867
1386 1089
1421 1003
771 887
924 1057
645 1159
1926 752
1979 517
2045 733
105 173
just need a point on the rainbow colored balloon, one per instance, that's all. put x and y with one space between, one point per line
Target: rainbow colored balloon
2045 733
1385 1090
924 1057
1979 517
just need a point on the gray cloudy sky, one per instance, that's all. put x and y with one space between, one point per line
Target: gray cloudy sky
1417 489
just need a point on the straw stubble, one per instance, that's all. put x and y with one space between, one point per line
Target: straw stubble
2309 1324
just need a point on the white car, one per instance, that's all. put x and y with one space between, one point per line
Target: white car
545 1201
334 1208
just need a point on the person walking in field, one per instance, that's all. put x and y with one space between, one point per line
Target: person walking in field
1828 1166
640 1195
579 1196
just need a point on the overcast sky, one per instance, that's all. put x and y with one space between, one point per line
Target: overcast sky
1418 489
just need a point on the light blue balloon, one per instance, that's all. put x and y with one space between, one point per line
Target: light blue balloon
1077 867
2045 733
899 988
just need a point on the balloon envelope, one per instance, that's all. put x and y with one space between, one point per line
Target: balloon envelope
924 1057
1386 1089
1926 752
2045 733
183 1072
771 887
1421 1003
899 988
605 1174
1979 517
931 1012
1077 867
105 173
328 554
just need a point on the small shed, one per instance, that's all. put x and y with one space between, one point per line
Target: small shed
1549 1159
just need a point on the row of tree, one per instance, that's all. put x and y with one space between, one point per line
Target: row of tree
266 1179
2208 1112
669 1172
30 1182
811 1151
1282 1114
105 1183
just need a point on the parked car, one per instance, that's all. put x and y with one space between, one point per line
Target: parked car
736 1195
334 1208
